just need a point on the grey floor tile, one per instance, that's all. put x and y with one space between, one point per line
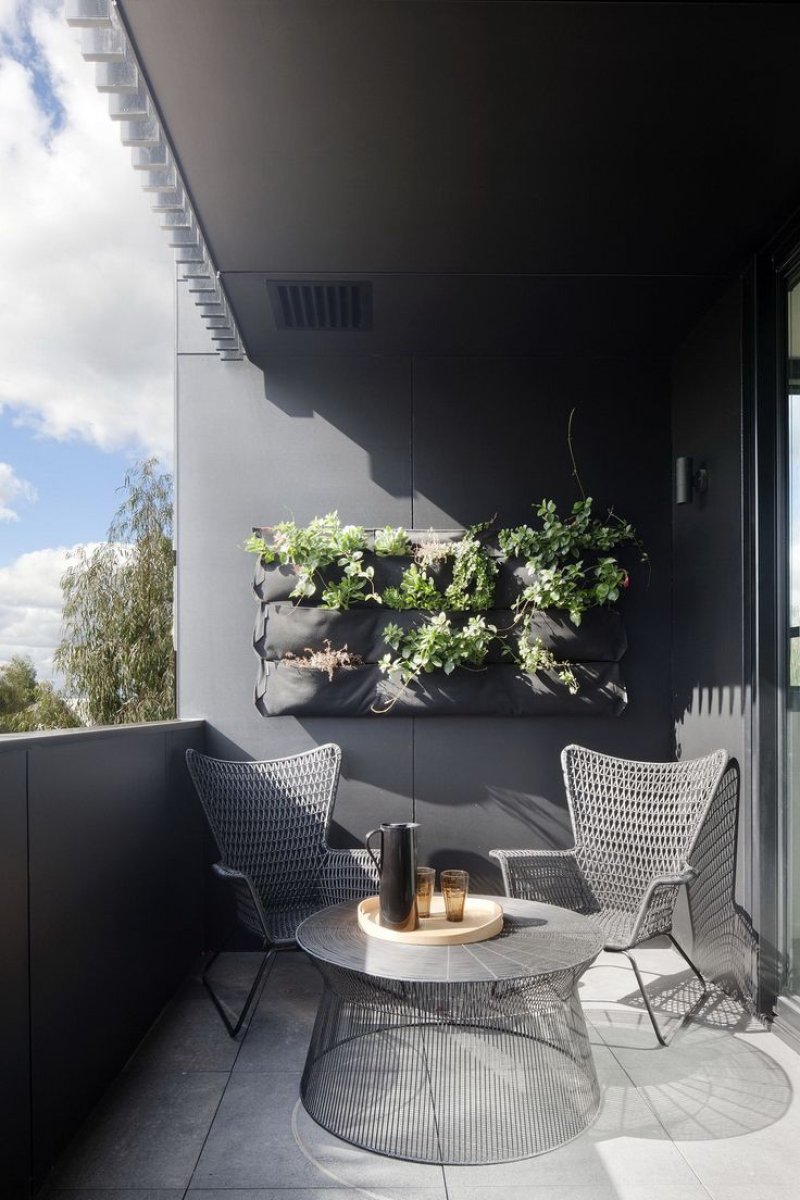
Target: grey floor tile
293 974
278 1035
319 1193
113 1194
602 1189
263 1138
753 1191
767 1162
147 1133
189 1036
708 1086
624 1151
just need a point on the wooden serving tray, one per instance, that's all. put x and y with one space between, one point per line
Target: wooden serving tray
482 920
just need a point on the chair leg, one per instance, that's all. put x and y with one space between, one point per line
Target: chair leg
661 1038
232 1028
686 958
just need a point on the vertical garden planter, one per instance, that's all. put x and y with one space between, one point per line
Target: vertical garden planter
287 628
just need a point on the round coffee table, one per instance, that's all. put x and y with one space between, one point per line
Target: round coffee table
452 1054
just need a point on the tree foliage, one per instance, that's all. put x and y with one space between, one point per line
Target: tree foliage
26 705
116 651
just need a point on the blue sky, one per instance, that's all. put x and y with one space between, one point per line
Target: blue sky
86 348
75 486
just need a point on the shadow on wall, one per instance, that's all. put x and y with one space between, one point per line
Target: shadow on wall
699 701
369 403
549 823
465 438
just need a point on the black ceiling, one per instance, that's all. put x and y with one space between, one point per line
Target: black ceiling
434 147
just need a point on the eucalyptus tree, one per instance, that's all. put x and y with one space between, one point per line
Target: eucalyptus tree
116 651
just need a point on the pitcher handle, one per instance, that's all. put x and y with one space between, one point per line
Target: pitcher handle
370 851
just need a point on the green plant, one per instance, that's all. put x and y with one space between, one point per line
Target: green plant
474 575
309 549
535 657
555 558
416 590
435 645
352 587
575 588
391 541
559 540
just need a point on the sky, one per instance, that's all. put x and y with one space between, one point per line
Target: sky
86 335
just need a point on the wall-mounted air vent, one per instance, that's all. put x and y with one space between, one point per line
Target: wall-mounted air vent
311 305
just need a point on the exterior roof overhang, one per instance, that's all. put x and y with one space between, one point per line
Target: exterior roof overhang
511 178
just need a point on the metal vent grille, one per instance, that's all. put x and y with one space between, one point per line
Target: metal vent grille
312 305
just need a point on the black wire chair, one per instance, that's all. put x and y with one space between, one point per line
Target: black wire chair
635 826
270 821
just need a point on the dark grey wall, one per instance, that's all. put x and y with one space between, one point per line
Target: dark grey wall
708 614
709 670
102 910
422 441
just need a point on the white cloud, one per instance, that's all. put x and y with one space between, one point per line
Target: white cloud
13 488
30 606
87 273
10 17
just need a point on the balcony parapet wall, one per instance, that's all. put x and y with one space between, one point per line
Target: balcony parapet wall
102 866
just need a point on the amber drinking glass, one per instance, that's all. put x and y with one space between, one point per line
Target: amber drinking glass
455 885
426 880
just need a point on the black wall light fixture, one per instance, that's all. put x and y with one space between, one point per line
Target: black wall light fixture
688 481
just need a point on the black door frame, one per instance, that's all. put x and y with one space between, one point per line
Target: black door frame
765 555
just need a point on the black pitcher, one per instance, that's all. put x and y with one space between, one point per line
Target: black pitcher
397 869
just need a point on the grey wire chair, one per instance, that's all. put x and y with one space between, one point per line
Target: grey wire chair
635 826
270 822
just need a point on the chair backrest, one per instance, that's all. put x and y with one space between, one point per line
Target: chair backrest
270 819
635 821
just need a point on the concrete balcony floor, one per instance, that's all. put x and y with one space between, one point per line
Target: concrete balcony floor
195 1114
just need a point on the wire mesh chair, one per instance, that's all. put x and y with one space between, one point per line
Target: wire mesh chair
270 822
635 826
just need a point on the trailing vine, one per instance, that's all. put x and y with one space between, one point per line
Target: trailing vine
554 554
435 645
533 656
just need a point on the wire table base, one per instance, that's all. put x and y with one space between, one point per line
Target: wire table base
456 1070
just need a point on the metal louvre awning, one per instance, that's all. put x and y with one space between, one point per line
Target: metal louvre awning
105 42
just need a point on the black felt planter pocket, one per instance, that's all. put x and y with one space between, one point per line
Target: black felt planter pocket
291 630
600 637
303 691
505 691
493 691
512 578
275 582
285 628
